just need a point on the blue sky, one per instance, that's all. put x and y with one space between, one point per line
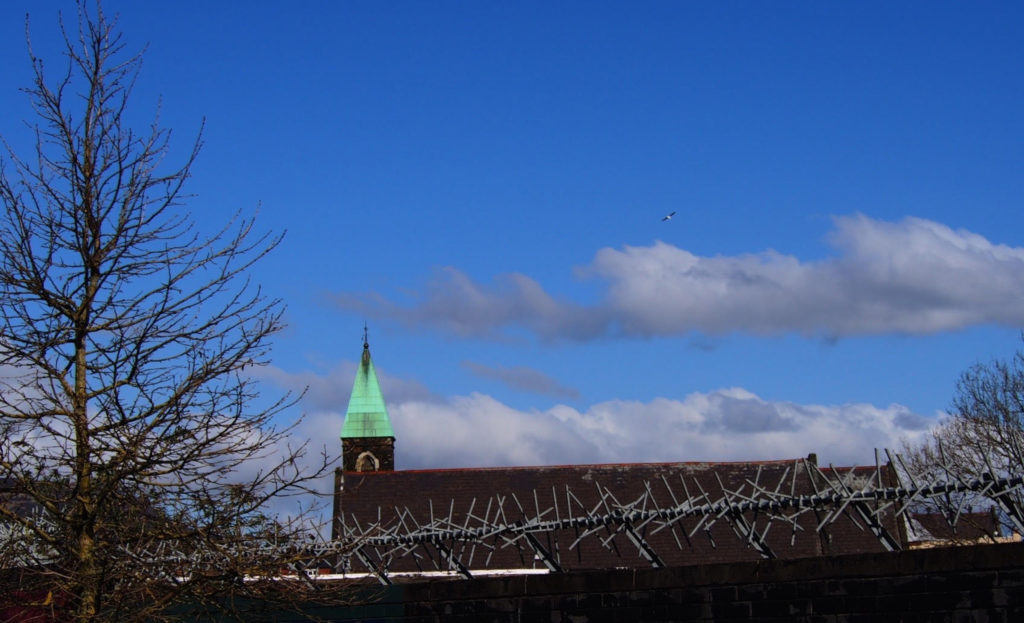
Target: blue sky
483 184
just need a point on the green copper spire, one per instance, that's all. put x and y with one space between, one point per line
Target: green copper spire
366 416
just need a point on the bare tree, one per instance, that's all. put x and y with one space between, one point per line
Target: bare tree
981 438
136 456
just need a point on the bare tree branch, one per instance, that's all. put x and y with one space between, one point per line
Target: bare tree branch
982 437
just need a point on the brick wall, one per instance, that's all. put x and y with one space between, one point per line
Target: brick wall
976 583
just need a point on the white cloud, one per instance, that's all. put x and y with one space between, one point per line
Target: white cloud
913 276
729 424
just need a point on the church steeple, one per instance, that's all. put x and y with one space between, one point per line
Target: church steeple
367 439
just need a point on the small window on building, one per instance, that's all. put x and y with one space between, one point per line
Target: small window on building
366 462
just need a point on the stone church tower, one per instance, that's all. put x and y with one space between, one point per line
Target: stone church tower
367 440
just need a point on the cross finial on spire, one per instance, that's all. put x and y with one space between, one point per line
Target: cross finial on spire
366 341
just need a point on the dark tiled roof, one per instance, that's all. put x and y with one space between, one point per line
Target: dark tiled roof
970 526
378 496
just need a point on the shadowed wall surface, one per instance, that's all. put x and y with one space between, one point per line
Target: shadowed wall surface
968 583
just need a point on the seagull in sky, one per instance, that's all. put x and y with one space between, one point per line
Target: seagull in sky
668 217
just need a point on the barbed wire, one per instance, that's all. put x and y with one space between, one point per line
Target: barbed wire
465 544
445 542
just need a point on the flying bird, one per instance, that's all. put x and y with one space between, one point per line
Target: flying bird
668 217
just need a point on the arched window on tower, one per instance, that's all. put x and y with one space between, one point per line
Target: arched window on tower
366 462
